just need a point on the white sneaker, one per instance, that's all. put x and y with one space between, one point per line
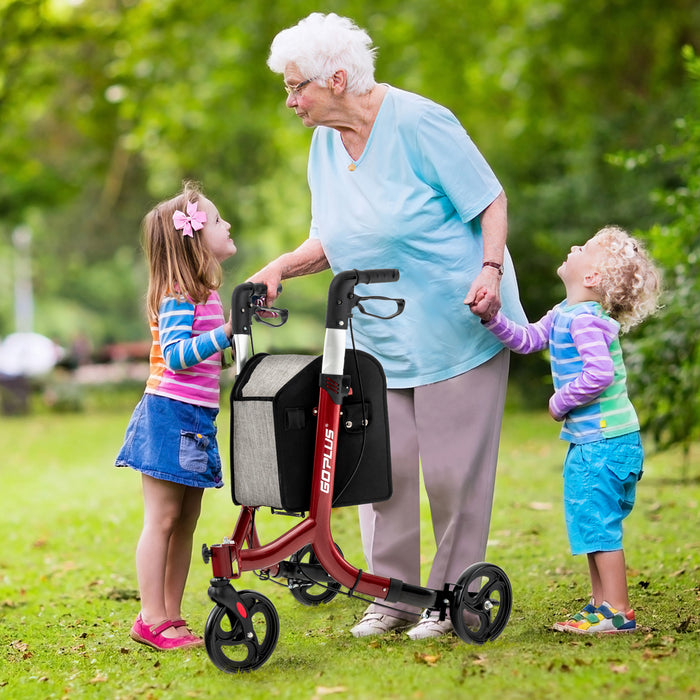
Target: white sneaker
376 623
427 629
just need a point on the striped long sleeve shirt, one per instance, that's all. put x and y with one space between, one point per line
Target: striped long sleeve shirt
188 340
588 372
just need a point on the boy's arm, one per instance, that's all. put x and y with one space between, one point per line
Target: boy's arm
521 339
592 337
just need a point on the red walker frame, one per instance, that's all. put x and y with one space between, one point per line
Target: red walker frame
479 603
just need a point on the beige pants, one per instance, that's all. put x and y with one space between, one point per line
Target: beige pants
450 429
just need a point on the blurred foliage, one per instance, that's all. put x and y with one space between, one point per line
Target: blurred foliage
665 358
106 105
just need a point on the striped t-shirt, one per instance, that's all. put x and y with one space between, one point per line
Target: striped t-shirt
186 352
588 372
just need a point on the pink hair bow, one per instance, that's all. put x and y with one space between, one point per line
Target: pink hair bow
192 220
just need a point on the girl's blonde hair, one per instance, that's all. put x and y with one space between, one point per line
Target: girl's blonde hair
630 283
178 265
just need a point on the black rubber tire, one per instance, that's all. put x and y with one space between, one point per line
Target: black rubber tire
225 642
483 599
309 592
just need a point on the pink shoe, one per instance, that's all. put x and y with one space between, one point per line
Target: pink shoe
195 641
153 636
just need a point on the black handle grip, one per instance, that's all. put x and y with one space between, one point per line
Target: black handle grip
390 274
341 296
241 307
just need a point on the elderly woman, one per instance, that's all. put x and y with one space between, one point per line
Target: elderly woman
396 182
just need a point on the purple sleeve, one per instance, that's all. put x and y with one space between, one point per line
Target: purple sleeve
522 339
592 337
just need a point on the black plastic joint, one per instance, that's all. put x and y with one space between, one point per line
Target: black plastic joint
336 386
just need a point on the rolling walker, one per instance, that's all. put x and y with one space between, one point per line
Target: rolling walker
309 434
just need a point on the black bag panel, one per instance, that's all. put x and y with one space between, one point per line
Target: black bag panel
295 418
293 406
355 416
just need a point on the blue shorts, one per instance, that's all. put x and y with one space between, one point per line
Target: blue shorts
600 482
173 441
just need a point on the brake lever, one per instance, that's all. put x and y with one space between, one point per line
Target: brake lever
262 313
400 304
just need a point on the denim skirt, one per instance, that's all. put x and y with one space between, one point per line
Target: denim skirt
173 441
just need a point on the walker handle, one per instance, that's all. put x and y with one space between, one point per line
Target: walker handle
390 274
242 307
341 293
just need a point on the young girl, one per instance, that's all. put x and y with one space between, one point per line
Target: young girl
611 285
171 438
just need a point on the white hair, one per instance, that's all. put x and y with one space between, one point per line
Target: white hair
319 45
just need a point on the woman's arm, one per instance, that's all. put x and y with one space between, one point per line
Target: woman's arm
484 296
304 260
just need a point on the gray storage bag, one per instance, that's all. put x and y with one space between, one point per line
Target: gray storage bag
273 432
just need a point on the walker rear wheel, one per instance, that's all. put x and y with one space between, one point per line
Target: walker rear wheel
481 604
306 590
229 648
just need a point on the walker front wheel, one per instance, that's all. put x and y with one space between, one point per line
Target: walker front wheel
229 648
481 603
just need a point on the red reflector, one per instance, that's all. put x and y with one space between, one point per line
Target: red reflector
241 610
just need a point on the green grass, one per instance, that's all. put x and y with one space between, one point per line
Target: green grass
69 522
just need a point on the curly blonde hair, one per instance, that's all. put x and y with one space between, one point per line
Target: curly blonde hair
178 265
630 283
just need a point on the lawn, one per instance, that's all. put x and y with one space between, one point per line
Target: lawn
69 523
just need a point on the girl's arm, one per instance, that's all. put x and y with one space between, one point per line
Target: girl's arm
179 347
521 339
592 337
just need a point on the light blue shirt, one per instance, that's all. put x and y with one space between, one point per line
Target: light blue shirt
411 202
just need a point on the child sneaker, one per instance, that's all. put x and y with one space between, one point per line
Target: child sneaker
605 620
587 609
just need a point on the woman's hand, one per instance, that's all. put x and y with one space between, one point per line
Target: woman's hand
271 277
305 260
484 297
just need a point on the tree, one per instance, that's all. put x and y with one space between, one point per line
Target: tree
106 105
664 361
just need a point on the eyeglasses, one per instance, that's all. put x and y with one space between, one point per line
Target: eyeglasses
296 89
